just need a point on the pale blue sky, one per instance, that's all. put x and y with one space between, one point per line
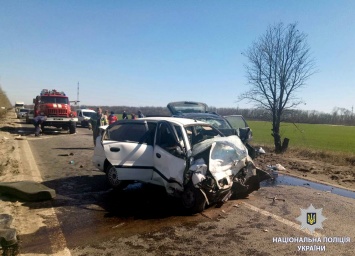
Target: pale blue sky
149 53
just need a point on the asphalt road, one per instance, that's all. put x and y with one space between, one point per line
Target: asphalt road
90 219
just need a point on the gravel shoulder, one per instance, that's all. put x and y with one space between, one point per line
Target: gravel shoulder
17 164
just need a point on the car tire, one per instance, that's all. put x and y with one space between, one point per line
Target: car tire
192 199
72 128
112 179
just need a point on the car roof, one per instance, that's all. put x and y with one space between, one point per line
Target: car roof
86 109
181 121
200 115
237 115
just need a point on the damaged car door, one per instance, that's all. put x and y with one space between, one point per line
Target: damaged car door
238 123
129 150
169 156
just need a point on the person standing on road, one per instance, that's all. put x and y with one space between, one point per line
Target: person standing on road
112 118
104 120
95 122
124 115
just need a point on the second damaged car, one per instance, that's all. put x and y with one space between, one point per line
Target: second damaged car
191 159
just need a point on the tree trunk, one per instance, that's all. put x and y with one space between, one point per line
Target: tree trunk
276 132
277 142
285 145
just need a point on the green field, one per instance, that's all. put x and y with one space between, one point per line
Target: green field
308 136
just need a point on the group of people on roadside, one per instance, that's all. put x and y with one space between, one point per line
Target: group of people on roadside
102 118
133 116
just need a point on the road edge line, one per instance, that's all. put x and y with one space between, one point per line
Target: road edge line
58 243
282 220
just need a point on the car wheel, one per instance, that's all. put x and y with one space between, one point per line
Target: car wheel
112 178
72 128
192 199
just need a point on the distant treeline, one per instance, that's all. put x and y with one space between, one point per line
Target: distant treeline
147 111
339 116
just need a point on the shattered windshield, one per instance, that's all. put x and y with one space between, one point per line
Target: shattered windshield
199 133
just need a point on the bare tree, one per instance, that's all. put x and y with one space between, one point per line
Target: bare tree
279 63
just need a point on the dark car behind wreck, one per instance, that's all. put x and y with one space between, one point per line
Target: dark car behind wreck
228 125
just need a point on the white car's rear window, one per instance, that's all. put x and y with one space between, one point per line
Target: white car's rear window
128 133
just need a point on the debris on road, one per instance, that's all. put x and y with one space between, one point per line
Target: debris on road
8 235
275 198
27 190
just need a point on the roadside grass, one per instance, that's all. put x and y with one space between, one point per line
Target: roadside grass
331 143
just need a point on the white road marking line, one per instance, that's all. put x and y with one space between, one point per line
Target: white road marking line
57 239
282 220
43 137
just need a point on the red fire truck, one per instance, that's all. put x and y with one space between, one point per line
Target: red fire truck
55 106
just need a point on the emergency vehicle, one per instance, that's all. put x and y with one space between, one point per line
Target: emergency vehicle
55 105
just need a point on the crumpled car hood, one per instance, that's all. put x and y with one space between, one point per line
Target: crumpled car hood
233 140
227 156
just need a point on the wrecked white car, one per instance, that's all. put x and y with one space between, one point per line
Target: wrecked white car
190 159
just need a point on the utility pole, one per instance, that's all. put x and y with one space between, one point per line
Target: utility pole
77 96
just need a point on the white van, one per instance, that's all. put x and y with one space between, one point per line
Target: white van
19 105
84 116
